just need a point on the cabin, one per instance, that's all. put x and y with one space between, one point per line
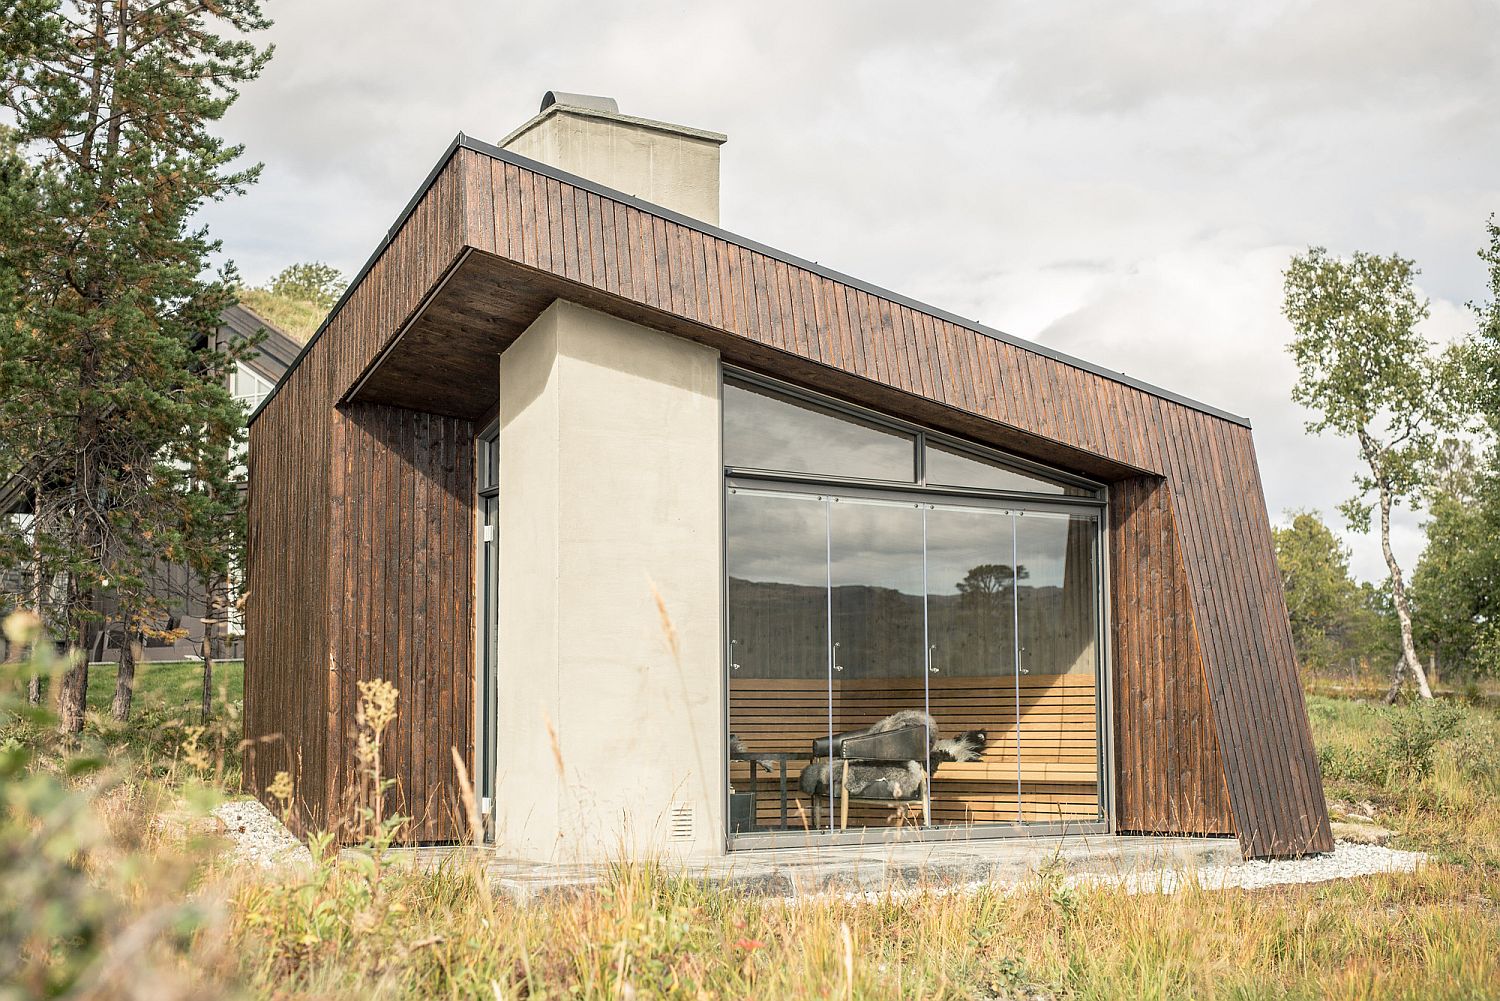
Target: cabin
684 545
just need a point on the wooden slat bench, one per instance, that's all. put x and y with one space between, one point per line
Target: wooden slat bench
1055 724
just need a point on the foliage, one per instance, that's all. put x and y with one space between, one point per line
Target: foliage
1484 345
97 888
1367 373
114 406
1456 585
313 282
1334 620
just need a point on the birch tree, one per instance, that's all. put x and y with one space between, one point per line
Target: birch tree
1368 374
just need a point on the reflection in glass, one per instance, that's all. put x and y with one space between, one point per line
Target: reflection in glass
777 560
1058 655
952 468
763 430
971 593
879 666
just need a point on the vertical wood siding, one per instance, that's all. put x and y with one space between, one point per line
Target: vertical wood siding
1171 776
401 576
316 476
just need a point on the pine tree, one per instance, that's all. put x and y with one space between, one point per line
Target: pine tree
127 419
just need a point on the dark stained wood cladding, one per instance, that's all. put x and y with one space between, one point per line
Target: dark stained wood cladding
316 471
285 636
537 238
1170 773
402 603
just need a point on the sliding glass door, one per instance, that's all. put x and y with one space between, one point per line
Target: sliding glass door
920 589
971 594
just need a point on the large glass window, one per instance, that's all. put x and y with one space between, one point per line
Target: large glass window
898 658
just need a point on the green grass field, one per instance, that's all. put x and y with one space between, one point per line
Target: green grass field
168 685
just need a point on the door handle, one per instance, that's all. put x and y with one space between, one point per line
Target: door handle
932 659
836 665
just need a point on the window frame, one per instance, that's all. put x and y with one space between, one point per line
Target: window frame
736 478
1097 491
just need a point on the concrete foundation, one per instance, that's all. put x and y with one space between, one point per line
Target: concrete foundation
810 871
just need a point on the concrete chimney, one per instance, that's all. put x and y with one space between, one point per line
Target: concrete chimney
673 166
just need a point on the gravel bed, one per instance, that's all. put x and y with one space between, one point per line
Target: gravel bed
1347 860
1344 861
258 837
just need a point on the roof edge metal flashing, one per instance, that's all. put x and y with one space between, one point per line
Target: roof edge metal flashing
462 141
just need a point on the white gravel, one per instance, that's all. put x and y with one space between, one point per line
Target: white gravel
258 837
1346 860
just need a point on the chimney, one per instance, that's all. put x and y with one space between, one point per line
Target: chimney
673 166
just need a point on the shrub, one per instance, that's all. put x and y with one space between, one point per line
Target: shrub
1347 763
1416 728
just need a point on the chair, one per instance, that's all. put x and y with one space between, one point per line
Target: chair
881 757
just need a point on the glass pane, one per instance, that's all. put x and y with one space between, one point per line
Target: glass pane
879 659
777 558
972 685
490 632
1059 662
950 468
764 430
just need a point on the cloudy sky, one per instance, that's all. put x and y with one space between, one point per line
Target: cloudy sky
1124 182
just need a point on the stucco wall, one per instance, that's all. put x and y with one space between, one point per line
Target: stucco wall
610 500
660 163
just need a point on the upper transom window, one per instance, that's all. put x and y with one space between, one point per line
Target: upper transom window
783 432
766 430
950 467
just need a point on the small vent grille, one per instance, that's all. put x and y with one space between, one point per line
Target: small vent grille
680 821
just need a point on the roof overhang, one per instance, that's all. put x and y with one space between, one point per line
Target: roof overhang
444 357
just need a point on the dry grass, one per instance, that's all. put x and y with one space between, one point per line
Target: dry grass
351 927
294 317
1431 934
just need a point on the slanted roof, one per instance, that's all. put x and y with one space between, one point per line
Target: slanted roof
463 142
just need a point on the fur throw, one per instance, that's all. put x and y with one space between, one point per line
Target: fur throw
891 781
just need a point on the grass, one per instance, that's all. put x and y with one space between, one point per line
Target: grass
169 685
295 317
353 927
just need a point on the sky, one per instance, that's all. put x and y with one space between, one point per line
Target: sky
1123 182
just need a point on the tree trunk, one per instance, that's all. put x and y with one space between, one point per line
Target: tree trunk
1409 660
208 666
72 694
125 676
38 588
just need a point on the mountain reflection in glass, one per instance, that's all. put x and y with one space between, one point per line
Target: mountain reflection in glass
849 604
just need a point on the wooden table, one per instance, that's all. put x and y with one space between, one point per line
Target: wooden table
766 759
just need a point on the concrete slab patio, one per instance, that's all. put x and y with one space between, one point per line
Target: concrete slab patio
812 870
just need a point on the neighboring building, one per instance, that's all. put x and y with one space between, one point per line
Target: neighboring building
250 383
633 510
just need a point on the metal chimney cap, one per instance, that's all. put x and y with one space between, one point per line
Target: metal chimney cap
606 104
